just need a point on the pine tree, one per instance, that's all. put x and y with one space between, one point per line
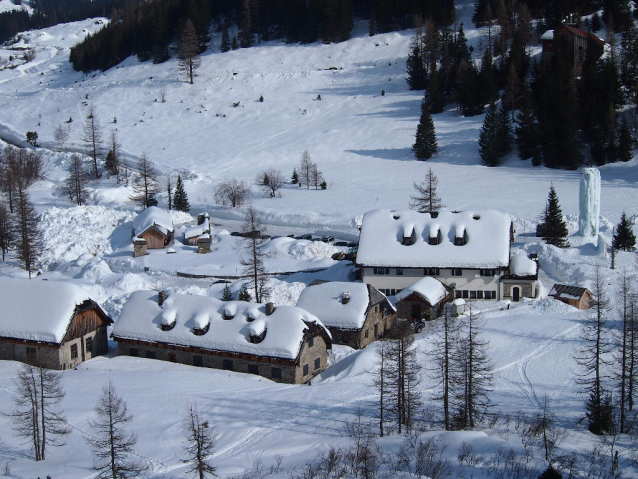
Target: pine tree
225 44
624 238
487 90
227 295
27 227
504 133
245 32
554 227
235 46
294 179
434 95
112 163
189 59
625 141
489 138
145 186
426 199
550 473
244 295
180 198
415 66
527 139
425 145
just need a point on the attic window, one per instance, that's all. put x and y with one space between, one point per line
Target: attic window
476 217
229 312
257 338
434 240
257 331
461 240
168 319
409 237
201 331
168 327
434 214
228 315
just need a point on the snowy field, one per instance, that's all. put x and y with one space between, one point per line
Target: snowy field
361 141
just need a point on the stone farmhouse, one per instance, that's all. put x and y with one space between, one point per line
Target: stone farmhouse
468 251
51 324
355 313
284 343
423 299
152 229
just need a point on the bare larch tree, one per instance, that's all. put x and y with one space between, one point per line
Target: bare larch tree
7 233
35 415
189 59
111 444
74 185
253 262
426 198
145 185
271 181
92 138
200 444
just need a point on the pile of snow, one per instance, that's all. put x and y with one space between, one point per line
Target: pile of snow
141 318
521 265
68 233
153 217
486 234
36 310
198 230
326 301
430 289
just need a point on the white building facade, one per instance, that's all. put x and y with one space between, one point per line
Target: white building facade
468 251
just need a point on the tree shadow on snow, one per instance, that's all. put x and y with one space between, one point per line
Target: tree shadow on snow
397 154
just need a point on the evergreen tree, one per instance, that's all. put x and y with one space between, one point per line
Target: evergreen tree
180 198
245 32
112 162
434 96
425 145
253 262
188 53
225 44
625 141
227 295
244 295
235 46
489 138
27 228
169 193
487 88
295 177
527 139
596 23
550 473
554 227
624 238
92 138
504 132
7 233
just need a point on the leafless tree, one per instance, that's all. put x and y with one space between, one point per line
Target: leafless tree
189 59
111 444
591 359
253 262
19 168
316 177
544 431
200 444
426 198
363 457
625 373
233 192
75 184
92 138
7 234
423 458
305 169
162 94
61 135
35 415
271 181
381 383
145 185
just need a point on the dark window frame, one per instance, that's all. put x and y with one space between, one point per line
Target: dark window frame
275 373
317 364
74 351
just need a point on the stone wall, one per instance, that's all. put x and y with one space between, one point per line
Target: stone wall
360 339
140 248
44 355
527 290
265 367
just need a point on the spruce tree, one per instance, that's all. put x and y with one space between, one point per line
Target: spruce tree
425 145
227 295
244 295
235 46
527 140
188 53
27 228
110 163
434 94
488 138
624 238
225 44
417 76
180 198
554 227
504 132
487 88
625 141
294 179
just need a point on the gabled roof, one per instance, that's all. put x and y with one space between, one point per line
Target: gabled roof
486 234
38 310
583 34
153 217
142 319
567 292
428 288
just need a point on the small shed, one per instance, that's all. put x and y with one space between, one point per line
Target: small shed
575 296
522 280
155 226
423 300
458 307
194 232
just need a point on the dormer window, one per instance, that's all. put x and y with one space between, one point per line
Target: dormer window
434 240
169 318
257 338
345 298
201 331
202 324
434 214
460 240
257 331
168 327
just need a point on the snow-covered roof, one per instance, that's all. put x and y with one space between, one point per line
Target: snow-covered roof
486 234
521 265
430 289
153 216
548 35
325 300
198 230
142 318
564 291
36 310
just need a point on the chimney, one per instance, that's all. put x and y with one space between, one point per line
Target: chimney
270 308
345 298
161 297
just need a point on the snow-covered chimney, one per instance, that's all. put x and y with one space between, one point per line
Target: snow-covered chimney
345 298
270 308
161 297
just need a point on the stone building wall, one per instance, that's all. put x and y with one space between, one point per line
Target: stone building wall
527 290
45 356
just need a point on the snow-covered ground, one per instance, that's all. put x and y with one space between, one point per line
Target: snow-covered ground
361 140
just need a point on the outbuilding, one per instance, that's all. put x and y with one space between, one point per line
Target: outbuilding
153 228
424 299
575 296
51 324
